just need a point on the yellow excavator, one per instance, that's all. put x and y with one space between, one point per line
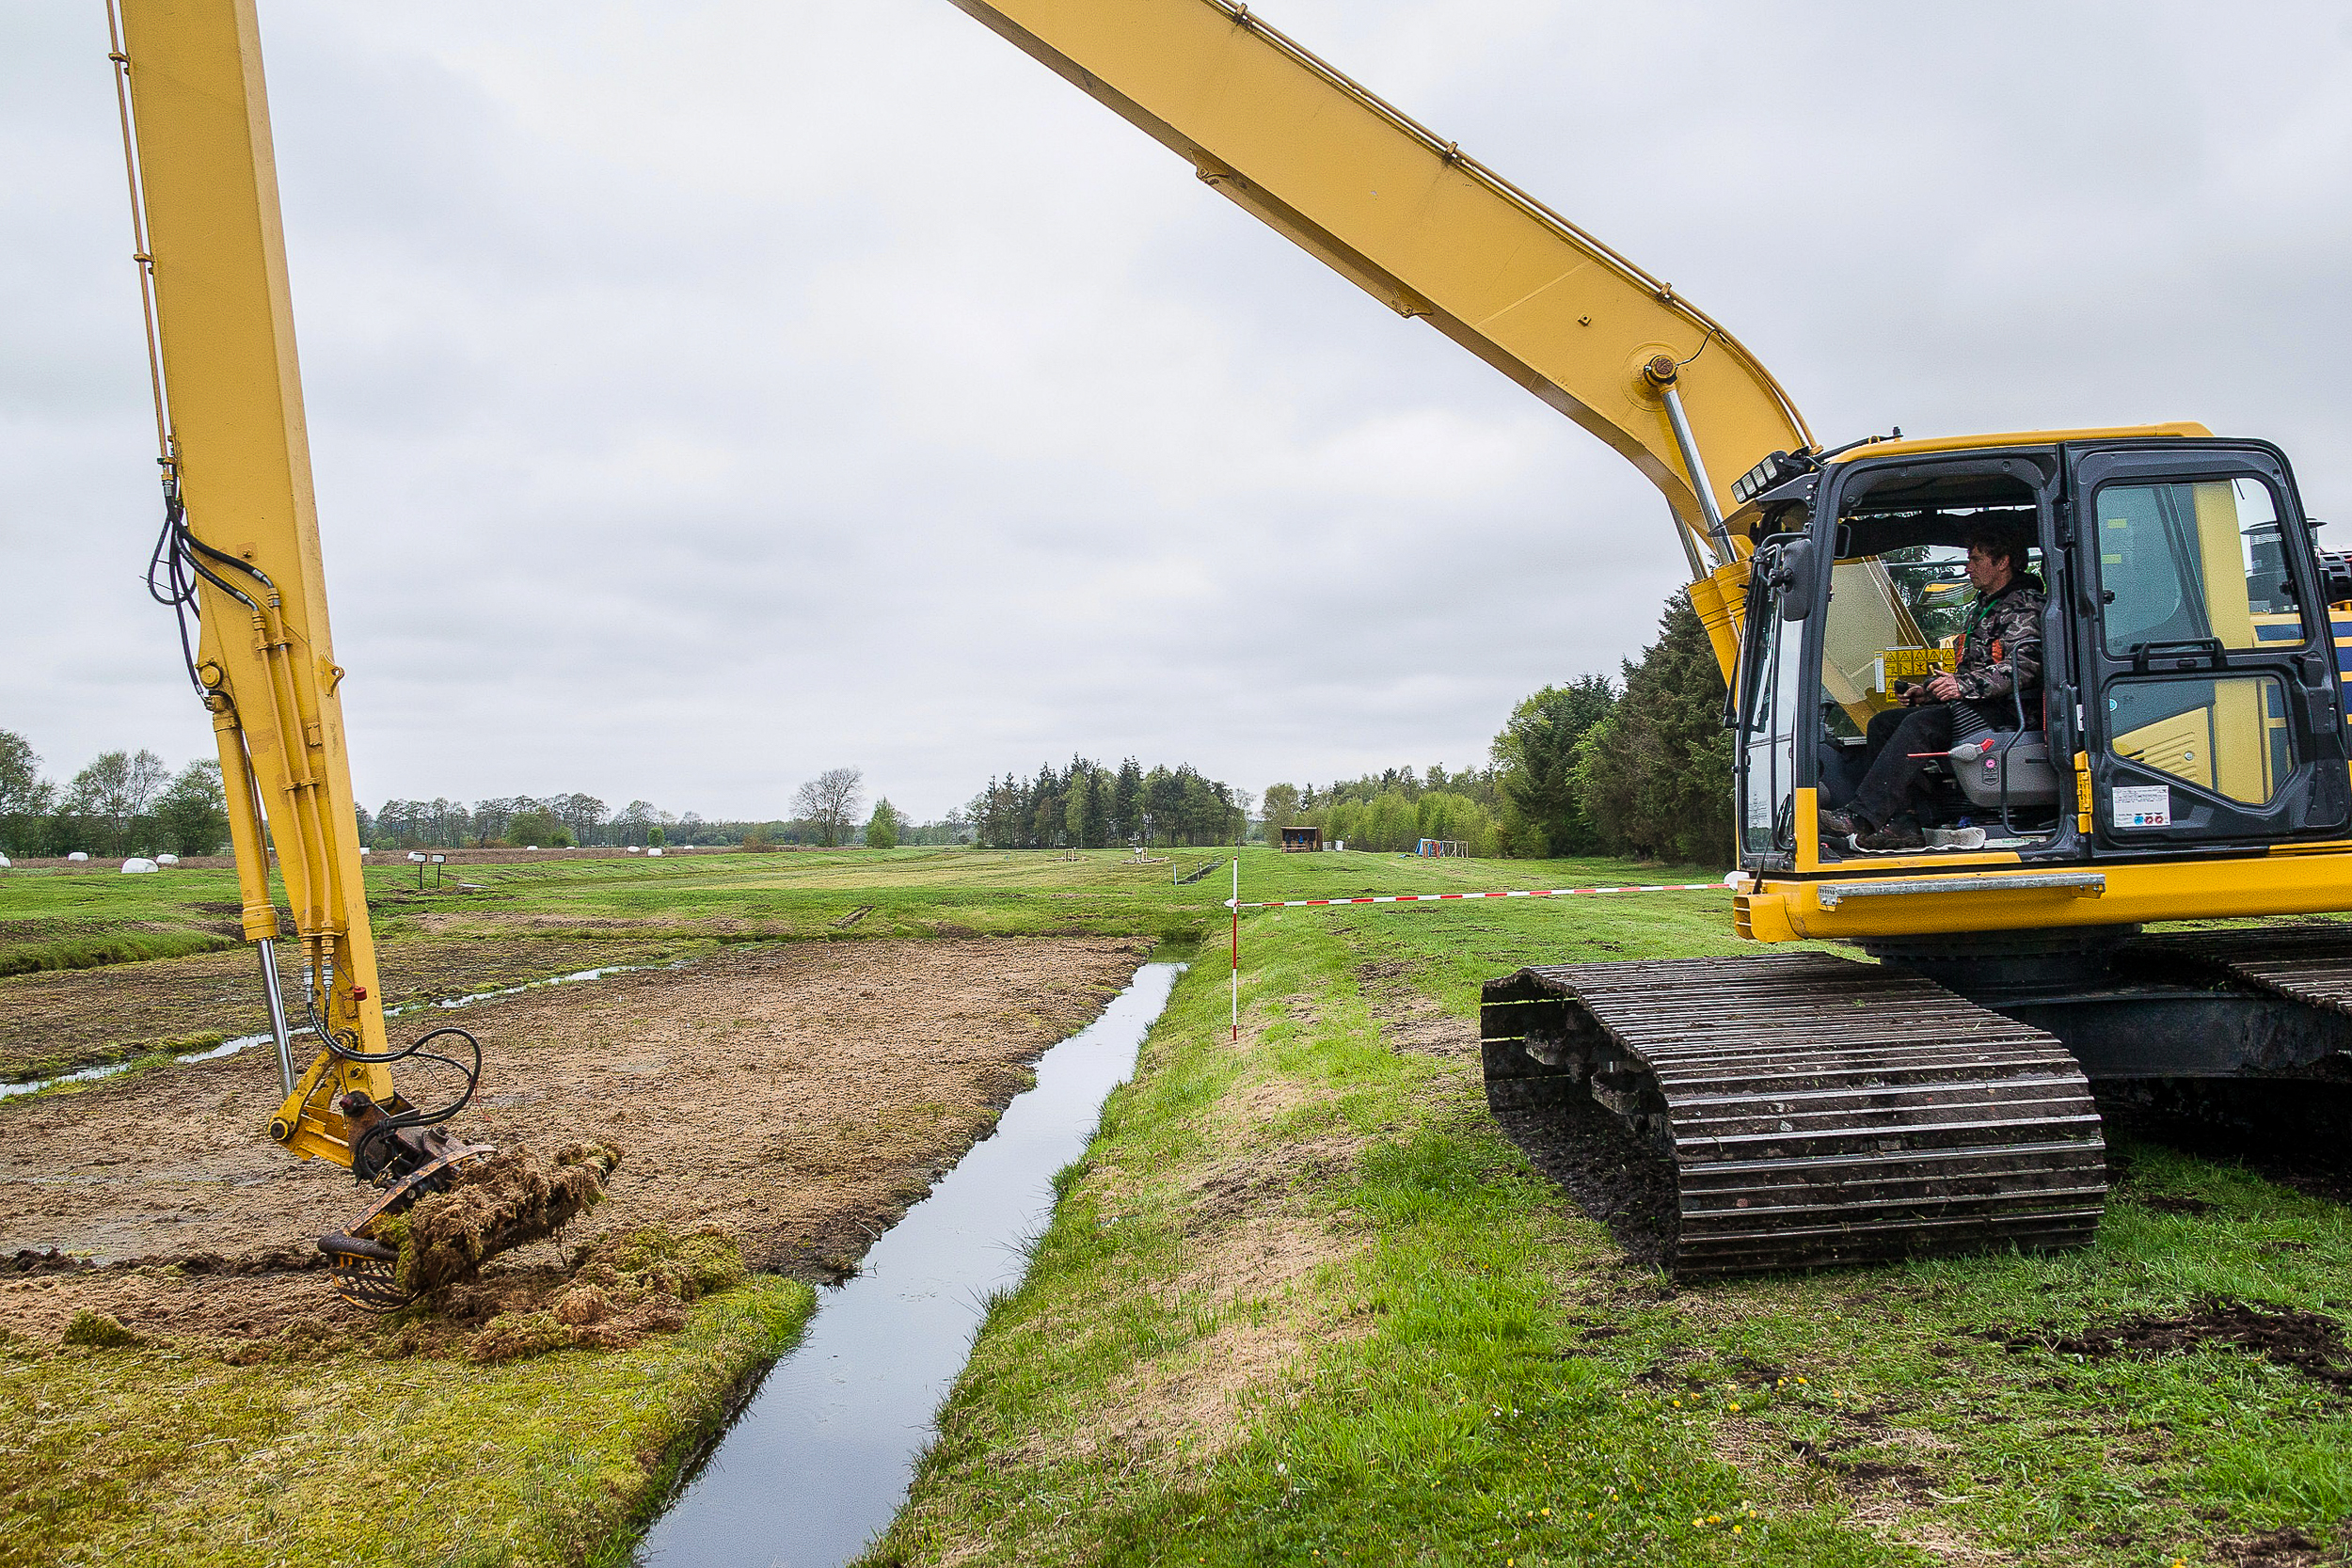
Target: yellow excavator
2185 756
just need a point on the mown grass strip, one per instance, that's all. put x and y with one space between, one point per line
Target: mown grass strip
1302 1303
126 947
169 1455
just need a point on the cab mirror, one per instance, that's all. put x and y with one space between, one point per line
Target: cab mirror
1792 578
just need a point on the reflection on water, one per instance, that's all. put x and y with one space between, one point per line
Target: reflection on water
819 1460
231 1047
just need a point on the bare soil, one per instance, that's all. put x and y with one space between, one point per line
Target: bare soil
55 1021
2288 1548
800 1097
2311 1344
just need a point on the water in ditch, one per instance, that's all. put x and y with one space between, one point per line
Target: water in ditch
820 1460
245 1042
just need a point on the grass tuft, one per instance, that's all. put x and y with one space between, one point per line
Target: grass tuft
98 1332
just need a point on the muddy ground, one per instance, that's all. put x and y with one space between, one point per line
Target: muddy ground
800 1096
57 1019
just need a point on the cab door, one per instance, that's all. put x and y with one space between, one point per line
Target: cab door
2210 696
1774 703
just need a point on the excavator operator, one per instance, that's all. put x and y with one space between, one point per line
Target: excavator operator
1999 665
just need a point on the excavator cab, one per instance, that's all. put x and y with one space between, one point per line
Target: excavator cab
2189 704
2183 756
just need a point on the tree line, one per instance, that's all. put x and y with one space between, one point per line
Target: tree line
1085 805
128 804
825 814
1639 767
123 803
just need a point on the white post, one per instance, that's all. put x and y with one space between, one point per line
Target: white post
1237 949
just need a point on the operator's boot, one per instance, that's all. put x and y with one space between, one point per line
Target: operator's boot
1901 834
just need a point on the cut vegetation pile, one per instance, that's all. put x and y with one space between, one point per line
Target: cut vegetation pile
621 1290
500 1202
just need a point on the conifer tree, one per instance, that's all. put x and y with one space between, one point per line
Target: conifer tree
1536 753
1654 775
1126 802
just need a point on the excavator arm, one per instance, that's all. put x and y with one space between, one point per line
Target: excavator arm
242 534
239 561
1433 233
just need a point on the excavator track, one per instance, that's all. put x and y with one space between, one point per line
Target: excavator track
1815 1110
2310 964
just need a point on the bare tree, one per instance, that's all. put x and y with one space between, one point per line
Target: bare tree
829 803
582 814
115 792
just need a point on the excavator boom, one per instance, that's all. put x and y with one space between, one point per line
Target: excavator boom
1432 232
239 561
237 464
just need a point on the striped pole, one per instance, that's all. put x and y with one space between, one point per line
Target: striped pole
1436 897
1236 904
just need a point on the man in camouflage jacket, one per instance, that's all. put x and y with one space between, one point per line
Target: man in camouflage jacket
2003 632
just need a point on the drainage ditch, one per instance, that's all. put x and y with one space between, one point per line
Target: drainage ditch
818 1459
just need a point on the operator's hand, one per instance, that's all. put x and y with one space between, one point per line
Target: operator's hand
1944 688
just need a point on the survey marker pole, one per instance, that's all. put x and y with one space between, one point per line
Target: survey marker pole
1237 949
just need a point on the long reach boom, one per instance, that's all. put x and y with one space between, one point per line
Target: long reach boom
1433 233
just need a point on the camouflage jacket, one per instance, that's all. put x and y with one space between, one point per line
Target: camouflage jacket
2007 625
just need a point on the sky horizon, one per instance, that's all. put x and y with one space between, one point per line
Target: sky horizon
704 396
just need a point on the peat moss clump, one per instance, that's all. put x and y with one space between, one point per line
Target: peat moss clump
656 1261
100 1332
504 1201
623 1289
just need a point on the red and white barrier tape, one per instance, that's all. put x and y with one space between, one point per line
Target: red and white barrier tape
1433 897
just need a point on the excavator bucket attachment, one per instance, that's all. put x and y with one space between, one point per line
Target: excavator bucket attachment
448 1208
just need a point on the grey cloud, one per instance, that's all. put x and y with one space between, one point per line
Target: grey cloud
703 396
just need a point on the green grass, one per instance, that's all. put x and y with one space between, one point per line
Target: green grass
1302 1303
121 947
805 895
166 1455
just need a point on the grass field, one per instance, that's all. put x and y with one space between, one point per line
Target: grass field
1302 1303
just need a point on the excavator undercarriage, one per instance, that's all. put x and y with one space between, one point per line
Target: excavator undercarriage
1814 1110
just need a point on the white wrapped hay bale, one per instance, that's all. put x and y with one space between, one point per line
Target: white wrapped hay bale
139 863
653 851
78 855
5 863
166 860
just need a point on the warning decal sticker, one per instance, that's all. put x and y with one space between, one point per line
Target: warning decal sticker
2142 805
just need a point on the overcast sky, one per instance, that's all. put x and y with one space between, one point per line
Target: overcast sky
706 395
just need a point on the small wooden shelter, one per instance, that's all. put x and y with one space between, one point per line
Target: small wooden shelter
1301 838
